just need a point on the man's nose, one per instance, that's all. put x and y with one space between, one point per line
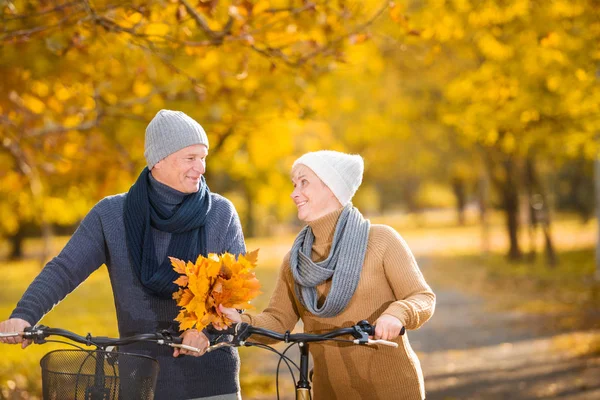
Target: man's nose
200 166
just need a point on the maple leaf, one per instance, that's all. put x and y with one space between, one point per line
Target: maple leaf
182 281
177 295
251 257
191 268
214 280
213 268
178 265
185 298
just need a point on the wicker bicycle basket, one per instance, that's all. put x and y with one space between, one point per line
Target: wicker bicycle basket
97 375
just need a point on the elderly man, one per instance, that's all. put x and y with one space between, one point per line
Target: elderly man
169 211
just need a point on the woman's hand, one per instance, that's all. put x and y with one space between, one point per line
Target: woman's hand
387 327
230 313
194 338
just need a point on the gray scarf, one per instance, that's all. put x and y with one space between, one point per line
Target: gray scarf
344 263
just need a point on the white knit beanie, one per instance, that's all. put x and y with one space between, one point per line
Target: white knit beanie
170 131
342 173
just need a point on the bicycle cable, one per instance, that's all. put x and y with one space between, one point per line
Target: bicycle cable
279 363
63 342
283 357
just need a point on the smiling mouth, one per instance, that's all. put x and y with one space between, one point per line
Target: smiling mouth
301 204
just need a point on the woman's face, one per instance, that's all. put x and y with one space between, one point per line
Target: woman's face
312 197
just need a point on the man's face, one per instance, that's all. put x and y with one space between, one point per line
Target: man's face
183 169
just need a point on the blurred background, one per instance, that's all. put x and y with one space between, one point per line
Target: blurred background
479 123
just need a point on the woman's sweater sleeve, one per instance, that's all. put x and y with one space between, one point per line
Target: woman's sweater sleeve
282 313
415 300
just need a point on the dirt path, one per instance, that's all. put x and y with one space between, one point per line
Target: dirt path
469 351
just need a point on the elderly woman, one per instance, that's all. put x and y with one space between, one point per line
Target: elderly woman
340 270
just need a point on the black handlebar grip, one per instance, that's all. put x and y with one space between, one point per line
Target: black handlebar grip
214 331
370 329
177 339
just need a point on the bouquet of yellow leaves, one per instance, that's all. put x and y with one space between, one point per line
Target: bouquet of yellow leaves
213 280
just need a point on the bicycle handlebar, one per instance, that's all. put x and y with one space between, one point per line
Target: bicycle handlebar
39 333
361 332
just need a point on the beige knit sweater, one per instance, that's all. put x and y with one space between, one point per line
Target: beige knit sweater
390 283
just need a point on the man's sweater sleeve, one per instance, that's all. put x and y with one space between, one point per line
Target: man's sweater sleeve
83 254
416 300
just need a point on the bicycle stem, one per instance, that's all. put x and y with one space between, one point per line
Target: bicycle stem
303 385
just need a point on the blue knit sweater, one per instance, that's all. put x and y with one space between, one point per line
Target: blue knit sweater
100 239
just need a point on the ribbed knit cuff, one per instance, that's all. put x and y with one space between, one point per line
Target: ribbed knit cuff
399 311
24 315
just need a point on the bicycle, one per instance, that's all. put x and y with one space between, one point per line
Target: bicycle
101 373
242 331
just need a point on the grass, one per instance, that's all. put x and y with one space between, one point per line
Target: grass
453 252
89 307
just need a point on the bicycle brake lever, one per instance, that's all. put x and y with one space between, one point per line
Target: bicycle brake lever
35 333
218 346
378 341
362 330
241 333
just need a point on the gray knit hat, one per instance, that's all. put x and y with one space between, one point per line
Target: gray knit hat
341 172
170 131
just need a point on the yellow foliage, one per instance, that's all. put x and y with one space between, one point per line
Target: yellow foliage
72 121
141 89
275 141
435 195
111 98
211 281
156 29
61 92
132 19
40 88
33 103
566 8
494 49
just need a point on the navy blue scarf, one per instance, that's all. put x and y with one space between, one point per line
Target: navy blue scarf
186 224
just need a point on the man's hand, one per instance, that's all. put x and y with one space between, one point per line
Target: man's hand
387 327
14 325
230 313
194 338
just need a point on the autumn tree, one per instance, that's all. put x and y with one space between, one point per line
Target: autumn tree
526 90
80 80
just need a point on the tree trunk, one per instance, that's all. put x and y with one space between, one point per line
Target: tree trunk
16 244
511 207
540 208
597 186
47 242
551 258
532 208
250 221
483 195
458 187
